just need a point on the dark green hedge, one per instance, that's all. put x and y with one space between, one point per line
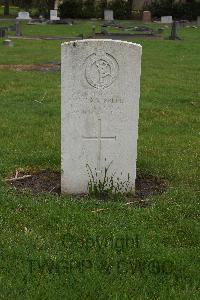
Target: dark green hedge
88 9
179 10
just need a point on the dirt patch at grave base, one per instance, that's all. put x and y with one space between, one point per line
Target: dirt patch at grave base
46 181
33 67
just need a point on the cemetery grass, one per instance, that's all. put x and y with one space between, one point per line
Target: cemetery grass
60 248
13 12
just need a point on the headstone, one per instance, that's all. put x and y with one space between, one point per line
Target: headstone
100 111
2 32
8 43
166 19
18 29
174 35
23 15
108 15
146 17
198 21
54 15
93 31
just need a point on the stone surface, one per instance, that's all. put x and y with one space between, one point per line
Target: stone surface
166 19
8 43
146 16
18 31
198 21
23 15
174 34
100 110
3 32
108 15
54 15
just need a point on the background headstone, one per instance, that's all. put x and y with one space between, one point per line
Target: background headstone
166 19
23 15
18 29
54 15
198 21
8 43
146 17
93 31
2 32
174 34
100 111
108 15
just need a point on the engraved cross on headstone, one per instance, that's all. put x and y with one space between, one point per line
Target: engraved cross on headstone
99 138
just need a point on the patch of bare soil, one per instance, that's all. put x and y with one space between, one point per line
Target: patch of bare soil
33 67
46 181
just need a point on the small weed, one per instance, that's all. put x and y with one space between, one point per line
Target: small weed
102 186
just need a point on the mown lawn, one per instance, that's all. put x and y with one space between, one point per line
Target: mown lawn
57 247
13 11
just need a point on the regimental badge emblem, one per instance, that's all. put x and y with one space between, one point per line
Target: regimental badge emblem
101 70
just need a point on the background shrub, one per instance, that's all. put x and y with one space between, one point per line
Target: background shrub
71 9
120 8
179 10
91 9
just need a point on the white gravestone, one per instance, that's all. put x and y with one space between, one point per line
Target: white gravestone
100 110
23 15
54 15
166 19
108 15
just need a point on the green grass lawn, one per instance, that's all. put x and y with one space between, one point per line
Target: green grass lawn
56 247
13 11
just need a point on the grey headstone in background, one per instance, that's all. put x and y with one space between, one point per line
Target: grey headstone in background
23 15
8 43
198 21
93 31
100 111
174 34
18 29
54 15
166 19
108 15
2 32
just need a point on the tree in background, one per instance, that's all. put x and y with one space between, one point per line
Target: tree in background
91 8
24 4
121 8
41 6
6 7
71 9
177 9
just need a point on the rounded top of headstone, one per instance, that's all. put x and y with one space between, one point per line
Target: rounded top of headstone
86 41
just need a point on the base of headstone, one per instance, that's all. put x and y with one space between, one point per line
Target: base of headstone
8 43
55 19
60 22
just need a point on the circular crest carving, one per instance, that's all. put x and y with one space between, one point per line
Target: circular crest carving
101 70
